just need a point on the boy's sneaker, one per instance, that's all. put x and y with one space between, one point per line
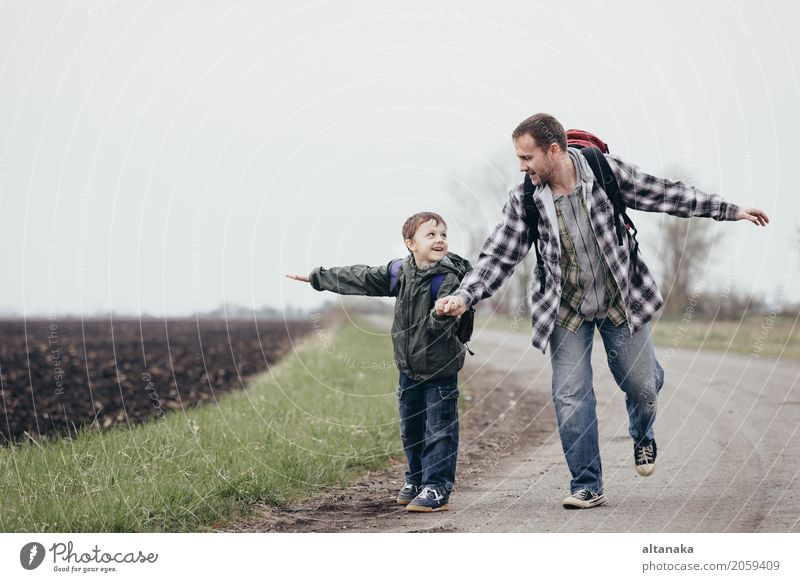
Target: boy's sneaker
431 498
584 499
644 454
407 493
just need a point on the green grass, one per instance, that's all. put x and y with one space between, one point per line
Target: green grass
315 420
762 336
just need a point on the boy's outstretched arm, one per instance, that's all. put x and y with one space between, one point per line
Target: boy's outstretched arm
351 280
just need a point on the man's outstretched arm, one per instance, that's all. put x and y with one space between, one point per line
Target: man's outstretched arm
641 191
754 215
500 255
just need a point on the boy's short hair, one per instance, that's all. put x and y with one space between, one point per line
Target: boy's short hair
414 221
544 129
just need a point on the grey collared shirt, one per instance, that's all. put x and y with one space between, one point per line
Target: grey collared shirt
591 277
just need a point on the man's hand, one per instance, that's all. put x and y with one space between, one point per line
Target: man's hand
754 215
450 305
302 278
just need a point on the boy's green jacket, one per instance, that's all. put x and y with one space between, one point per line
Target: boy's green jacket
425 345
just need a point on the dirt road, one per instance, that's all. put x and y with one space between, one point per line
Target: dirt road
727 432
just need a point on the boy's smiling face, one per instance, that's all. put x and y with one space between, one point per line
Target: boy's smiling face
429 243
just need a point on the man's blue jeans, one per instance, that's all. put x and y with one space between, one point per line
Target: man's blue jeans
633 363
429 429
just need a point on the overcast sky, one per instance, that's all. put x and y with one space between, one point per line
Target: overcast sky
165 157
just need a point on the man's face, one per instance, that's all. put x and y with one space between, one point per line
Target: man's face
429 243
533 160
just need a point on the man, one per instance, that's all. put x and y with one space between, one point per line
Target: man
589 281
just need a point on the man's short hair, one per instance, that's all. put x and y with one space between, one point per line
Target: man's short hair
544 129
413 223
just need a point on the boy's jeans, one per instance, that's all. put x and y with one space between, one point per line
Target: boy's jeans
429 429
633 363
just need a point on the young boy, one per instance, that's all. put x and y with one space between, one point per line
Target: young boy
427 351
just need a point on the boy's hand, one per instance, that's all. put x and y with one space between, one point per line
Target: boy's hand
450 305
302 278
754 215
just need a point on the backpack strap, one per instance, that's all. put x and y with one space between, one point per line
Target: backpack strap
436 284
394 269
532 220
603 174
608 182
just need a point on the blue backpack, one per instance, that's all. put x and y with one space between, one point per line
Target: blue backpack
467 320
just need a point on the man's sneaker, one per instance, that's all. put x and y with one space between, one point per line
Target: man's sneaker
644 454
431 498
407 493
584 499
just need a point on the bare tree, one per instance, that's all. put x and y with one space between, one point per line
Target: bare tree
491 182
685 246
797 240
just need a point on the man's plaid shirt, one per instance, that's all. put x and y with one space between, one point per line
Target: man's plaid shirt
509 244
569 309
